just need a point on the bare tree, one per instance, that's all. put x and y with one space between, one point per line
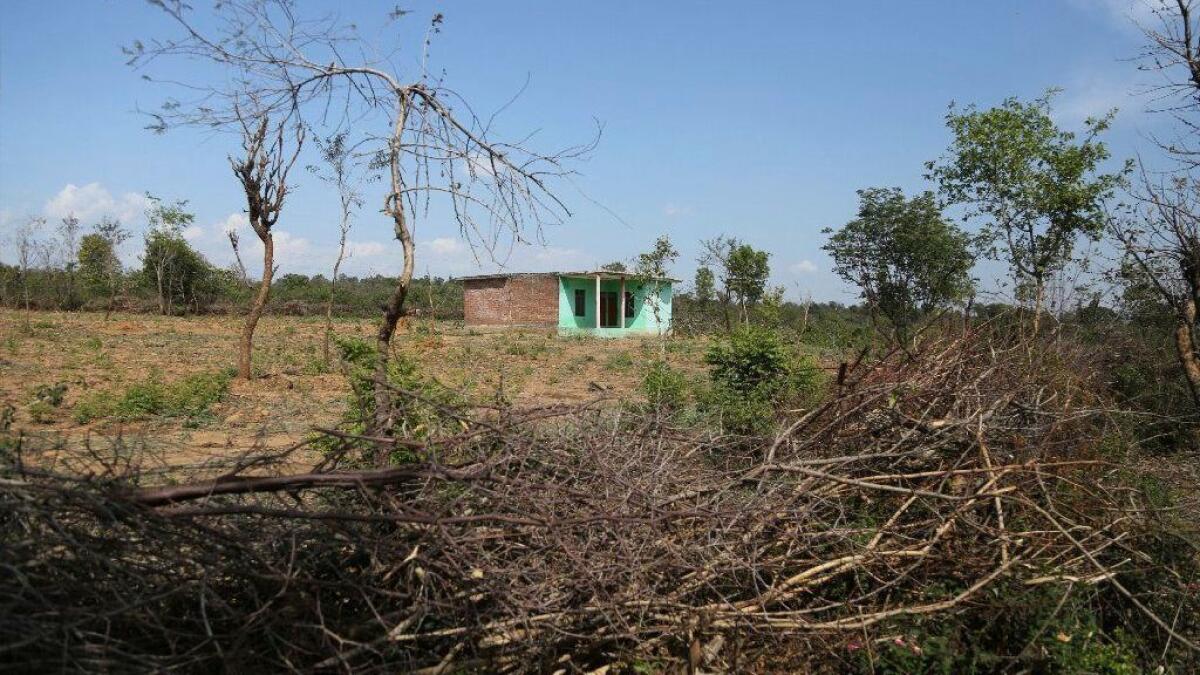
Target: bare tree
425 136
235 242
27 249
1161 241
335 152
262 171
1172 51
1160 235
68 241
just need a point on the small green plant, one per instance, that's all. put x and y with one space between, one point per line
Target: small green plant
94 343
619 361
420 401
316 366
41 412
751 360
753 372
191 398
664 386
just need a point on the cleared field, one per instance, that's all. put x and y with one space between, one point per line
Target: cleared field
54 365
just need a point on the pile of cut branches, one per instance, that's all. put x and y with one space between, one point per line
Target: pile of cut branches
947 486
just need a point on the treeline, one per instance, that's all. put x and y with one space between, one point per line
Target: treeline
216 290
70 269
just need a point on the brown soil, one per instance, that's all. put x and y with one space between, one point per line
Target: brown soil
291 393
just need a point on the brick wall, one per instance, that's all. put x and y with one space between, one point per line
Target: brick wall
525 300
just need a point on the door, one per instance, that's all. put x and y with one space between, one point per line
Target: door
608 310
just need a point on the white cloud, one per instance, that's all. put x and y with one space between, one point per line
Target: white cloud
92 202
672 210
232 223
365 249
289 246
803 267
446 245
193 232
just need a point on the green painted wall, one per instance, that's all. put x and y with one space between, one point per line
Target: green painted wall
642 321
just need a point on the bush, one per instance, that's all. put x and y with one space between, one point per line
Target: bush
750 360
753 372
191 397
417 416
664 386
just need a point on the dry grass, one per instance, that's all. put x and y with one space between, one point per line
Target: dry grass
292 392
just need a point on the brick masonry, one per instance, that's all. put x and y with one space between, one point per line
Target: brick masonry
519 300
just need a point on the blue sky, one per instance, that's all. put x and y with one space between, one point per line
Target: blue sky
755 119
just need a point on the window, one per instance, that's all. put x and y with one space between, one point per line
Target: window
628 305
580 302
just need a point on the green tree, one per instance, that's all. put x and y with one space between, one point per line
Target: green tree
904 256
747 270
615 266
652 268
1034 187
705 285
166 263
183 279
99 266
743 270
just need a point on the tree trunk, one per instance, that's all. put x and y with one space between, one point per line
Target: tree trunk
337 265
394 206
162 299
256 309
391 315
1185 348
1039 297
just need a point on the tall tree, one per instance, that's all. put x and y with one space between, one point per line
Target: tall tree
1032 187
27 248
904 256
165 259
262 171
1160 234
743 273
68 242
99 263
338 172
704 286
427 140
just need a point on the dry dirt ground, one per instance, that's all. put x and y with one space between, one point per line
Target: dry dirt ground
292 391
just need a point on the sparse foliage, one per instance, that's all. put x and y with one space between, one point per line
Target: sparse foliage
321 69
262 171
338 171
1032 187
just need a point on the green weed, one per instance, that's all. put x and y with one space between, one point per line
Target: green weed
190 398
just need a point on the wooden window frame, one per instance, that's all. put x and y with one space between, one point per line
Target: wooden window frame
580 302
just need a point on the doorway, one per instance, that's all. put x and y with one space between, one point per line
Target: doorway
609 306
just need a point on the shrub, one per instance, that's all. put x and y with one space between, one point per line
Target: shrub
41 412
664 386
191 397
419 416
753 371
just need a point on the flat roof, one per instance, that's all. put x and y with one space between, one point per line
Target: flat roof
603 274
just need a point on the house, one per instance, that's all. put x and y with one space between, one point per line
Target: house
598 303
